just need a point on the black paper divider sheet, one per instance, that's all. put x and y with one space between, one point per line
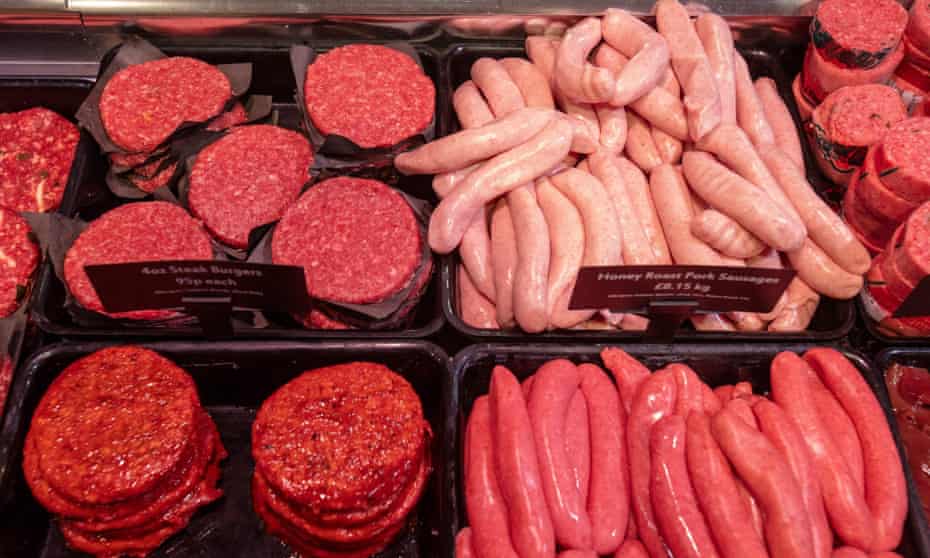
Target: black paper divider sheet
716 364
833 320
233 379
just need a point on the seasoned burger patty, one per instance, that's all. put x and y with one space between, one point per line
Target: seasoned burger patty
247 179
340 438
37 149
135 232
114 424
373 95
357 240
142 105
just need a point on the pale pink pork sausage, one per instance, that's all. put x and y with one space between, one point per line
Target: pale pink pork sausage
749 110
734 196
474 145
640 147
575 77
642 203
567 241
725 235
822 274
636 247
532 84
476 310
799 310
780 120
613 126
504 261
702 99
530 279
496 177
661 106
647 51
499 89
715 35
470 107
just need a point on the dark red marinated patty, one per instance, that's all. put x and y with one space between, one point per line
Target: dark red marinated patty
858 33
36 151
341 438
113 424
135 232
19 257
358 240
142 105
247 179
901 159
373 95
912 257
233 117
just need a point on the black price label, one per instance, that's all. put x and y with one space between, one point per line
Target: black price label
710 288
126 287
917 304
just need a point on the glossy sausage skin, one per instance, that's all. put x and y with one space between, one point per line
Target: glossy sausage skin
530 281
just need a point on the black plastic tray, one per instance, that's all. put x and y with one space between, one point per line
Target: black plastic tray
271 76
716 364
833 319
233 379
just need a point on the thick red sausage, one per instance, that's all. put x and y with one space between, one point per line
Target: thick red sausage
724 393
785 436
758 522
632 549
578 443
885 488
628 372
741 407
518 468
677 513
841 429
846 507
724 506
654 400
487 512
849 552
768 477
555 384
609 495
578 554
690 394
742 389
463 544
712 403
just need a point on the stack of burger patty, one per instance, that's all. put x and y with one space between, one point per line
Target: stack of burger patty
122 452
853 42
142 106
342 455
362 249
913 74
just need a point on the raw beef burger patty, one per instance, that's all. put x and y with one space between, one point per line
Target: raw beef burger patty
142 105
357 239
135 232
36 151
19 257
247 179
373 95
858 33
